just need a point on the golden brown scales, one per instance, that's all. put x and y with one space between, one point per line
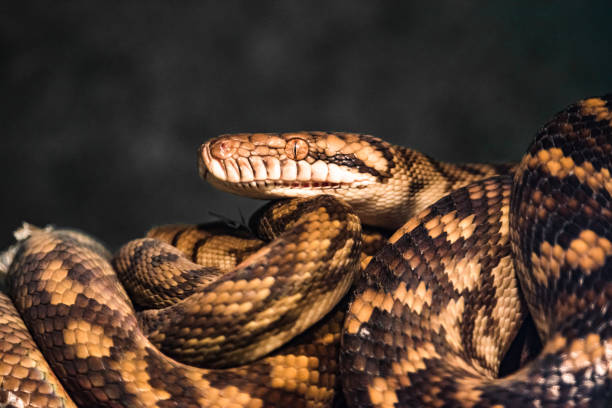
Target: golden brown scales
91 312
384 389
421 335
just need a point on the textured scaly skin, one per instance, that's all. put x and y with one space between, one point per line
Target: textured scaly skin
25 375
421 328
70 297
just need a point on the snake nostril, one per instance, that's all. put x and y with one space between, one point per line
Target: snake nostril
224 149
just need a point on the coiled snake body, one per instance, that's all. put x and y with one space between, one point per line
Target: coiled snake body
430 317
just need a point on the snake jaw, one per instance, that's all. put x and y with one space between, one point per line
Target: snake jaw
269 189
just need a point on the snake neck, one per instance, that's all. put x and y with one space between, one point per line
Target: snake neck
414 182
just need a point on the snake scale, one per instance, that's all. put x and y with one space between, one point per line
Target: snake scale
266 320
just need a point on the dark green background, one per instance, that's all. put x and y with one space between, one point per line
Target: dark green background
105 103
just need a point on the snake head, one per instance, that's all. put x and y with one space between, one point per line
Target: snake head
276 165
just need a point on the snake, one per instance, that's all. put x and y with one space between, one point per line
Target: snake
319 308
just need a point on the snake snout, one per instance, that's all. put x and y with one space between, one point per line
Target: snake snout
208 165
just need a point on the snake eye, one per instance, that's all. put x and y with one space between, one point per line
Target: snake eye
296 149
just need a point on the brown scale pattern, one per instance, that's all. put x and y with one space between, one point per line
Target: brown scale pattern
411 336
440 289
428 324
214 245
260 304
81 318
175 277
25 376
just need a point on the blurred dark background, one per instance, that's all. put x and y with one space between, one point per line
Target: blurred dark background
105 103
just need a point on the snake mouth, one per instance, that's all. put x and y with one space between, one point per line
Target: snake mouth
277 188
271 176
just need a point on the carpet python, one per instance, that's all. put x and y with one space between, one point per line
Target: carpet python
260 321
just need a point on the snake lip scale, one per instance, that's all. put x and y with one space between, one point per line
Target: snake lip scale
461 255
270 178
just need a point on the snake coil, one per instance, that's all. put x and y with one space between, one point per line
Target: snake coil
430 317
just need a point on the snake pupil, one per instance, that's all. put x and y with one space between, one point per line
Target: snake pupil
296 149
